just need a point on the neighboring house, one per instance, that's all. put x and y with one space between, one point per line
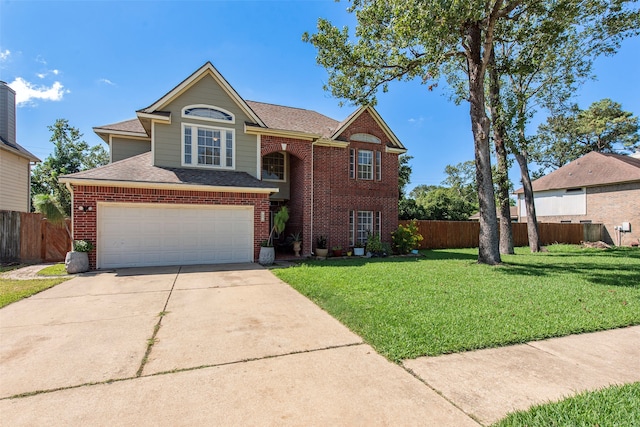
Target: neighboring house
596 188
197 176
15 161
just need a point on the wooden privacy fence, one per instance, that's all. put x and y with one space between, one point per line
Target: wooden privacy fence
28 237
464 234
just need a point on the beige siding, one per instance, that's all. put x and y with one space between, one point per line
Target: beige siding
14 182
123 148
168 138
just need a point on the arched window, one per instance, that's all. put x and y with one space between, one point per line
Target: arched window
207 112
365 137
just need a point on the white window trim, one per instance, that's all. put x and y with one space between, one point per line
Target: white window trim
373 165
194 147
211 107
377 164
286 168
358 223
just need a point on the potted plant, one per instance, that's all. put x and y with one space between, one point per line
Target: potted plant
267 252
321 247
337 251
77 261
296 242
358 249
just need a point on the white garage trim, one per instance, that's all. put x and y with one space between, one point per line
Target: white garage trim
154 234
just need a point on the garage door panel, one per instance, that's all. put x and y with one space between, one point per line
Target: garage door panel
150 235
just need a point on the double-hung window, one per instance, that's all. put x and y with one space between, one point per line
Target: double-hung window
208 146
364 226
365 164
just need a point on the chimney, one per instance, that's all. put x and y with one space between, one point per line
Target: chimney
7 113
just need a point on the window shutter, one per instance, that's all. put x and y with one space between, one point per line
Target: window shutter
378 166
352 228
352 163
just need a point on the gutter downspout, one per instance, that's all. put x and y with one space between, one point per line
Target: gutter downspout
73 213
311 237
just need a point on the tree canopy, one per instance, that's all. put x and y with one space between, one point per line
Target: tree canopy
70 155
604 127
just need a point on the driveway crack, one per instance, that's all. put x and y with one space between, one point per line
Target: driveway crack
151 341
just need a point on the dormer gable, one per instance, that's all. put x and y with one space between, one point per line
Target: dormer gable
366 125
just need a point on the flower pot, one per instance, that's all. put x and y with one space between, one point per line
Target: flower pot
296 248
76 262
337 252
267 255
322 253
358 251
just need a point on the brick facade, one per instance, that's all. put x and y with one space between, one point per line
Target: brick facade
336 193
85 222
609 205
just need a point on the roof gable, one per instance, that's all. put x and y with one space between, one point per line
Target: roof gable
591 170
206 70
344 125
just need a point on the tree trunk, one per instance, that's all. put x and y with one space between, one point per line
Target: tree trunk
489 249
497 125
532 220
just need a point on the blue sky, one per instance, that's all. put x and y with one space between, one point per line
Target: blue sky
95 62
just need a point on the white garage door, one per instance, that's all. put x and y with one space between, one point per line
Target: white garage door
136 235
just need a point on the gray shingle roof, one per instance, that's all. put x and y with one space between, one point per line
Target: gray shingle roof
295 119
132 125
591 170
139 169
18 149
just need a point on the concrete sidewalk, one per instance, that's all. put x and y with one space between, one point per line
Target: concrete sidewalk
489 384
233 345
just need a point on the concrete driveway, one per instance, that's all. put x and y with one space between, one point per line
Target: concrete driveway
197 345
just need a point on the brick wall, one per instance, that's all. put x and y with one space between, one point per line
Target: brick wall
335 193
610 205
85 222
299 152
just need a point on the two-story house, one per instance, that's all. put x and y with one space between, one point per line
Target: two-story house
197 175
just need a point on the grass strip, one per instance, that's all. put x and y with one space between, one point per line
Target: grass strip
15 290
613 406
54 270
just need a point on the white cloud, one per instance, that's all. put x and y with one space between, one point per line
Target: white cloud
41 75
107 82
416 121
56 72
27 92
4 54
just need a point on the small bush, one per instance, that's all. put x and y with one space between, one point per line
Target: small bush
82 246
406 237
374 245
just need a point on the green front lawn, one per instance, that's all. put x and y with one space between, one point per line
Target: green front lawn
613 406
445 302
14 290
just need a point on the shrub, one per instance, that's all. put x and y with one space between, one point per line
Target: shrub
374 245
82 246
406 237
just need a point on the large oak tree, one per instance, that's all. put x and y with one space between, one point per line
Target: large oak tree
407 39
